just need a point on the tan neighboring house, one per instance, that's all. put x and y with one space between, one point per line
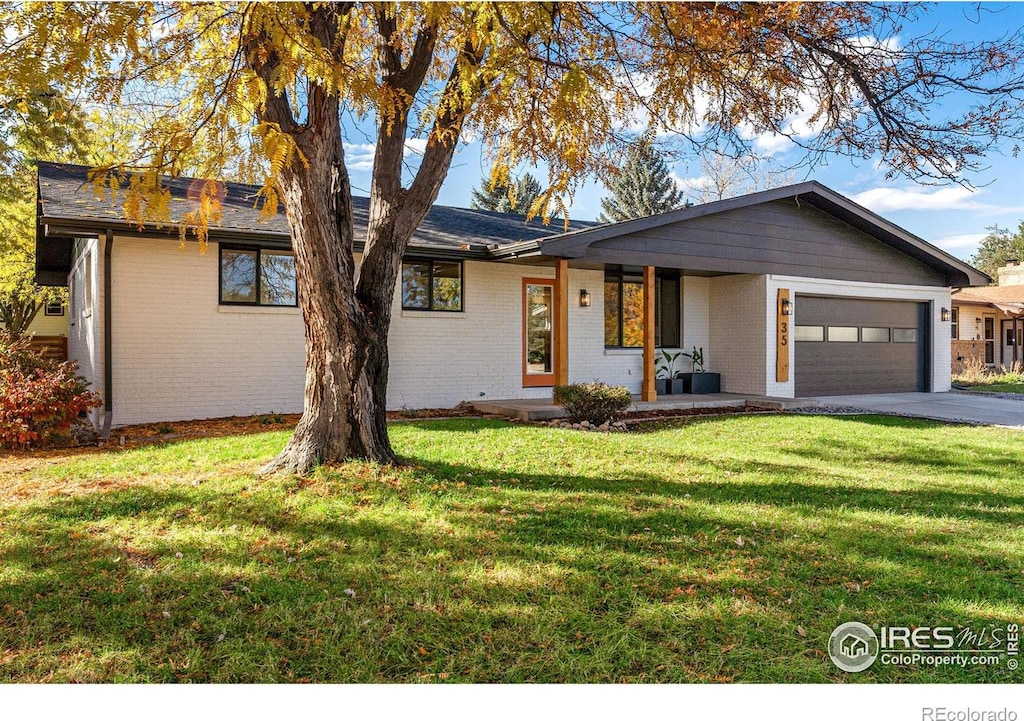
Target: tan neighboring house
49 330
988 323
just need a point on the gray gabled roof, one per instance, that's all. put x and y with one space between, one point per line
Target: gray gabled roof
574 244
68 200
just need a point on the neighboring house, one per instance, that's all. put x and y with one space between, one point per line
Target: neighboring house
988 323
491 307
49 331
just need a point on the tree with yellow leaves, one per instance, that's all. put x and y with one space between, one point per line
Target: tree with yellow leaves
264 87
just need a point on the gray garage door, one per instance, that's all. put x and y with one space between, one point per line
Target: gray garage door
849 345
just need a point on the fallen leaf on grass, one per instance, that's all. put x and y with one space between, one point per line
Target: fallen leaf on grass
801 632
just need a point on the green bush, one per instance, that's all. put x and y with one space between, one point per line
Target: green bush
593 402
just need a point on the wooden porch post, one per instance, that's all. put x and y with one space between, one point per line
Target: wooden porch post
561 321
648 391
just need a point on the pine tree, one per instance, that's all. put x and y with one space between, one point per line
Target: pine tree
643 187
499 199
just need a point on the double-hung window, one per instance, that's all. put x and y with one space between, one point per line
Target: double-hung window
257 276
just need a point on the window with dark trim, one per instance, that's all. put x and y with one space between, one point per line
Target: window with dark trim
624 310
432 285
257 276
954 324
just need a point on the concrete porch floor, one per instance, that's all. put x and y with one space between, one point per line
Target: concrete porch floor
542 409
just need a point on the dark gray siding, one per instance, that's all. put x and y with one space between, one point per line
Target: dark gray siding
780 237
831 368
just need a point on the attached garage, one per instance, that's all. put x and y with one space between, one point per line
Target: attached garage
854 345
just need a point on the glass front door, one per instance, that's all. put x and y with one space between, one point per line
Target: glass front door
538 332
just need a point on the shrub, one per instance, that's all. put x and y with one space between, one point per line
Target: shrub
593 402
39 399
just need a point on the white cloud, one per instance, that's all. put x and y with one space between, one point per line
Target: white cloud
415 146
359 156
958 243
885 199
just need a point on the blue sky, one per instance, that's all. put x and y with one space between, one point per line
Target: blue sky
952 217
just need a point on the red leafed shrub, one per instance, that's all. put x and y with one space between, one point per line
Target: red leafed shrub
39 399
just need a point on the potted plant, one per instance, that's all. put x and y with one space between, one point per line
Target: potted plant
700 381
670 381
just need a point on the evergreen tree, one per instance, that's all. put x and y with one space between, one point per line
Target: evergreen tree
499 198
643 187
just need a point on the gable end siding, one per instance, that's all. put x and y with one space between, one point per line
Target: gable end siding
780 237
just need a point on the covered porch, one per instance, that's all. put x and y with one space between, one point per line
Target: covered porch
540 409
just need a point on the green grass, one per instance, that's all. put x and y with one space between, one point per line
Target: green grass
514 553
999 387
995 382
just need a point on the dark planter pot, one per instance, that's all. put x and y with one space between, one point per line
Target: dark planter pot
702 382
670 386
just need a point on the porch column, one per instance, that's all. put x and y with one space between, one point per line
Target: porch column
648 391
561 322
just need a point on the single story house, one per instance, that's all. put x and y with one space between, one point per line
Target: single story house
988 323
791 292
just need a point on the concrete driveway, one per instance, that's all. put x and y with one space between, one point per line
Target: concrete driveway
944 406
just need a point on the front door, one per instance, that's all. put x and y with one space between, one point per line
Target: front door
990 340
538 332
1013 348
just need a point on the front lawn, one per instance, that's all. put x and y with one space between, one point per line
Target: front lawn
999 387
723 549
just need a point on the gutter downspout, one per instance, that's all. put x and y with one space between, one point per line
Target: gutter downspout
108 374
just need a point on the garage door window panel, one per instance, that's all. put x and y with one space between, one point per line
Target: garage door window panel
842 334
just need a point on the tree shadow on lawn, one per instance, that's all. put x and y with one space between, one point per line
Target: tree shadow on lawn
580 579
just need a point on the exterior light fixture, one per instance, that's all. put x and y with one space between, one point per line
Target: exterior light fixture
945 315
584 298
787 306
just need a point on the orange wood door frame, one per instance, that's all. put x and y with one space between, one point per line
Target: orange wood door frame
540 379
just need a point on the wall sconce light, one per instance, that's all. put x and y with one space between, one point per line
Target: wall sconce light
584 298
945 315
787 306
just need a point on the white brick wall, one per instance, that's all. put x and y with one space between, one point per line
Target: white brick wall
736 348
179 355
939 298
85 331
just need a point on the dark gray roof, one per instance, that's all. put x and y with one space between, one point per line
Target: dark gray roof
68 200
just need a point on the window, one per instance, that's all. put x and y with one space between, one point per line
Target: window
810 333
624 311
54 308
904 335
257 276
432 285
954 325
842 334
874 335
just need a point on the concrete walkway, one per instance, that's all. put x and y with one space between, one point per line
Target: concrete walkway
944 406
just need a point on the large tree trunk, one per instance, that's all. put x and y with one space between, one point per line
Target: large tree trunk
347 313
344 408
